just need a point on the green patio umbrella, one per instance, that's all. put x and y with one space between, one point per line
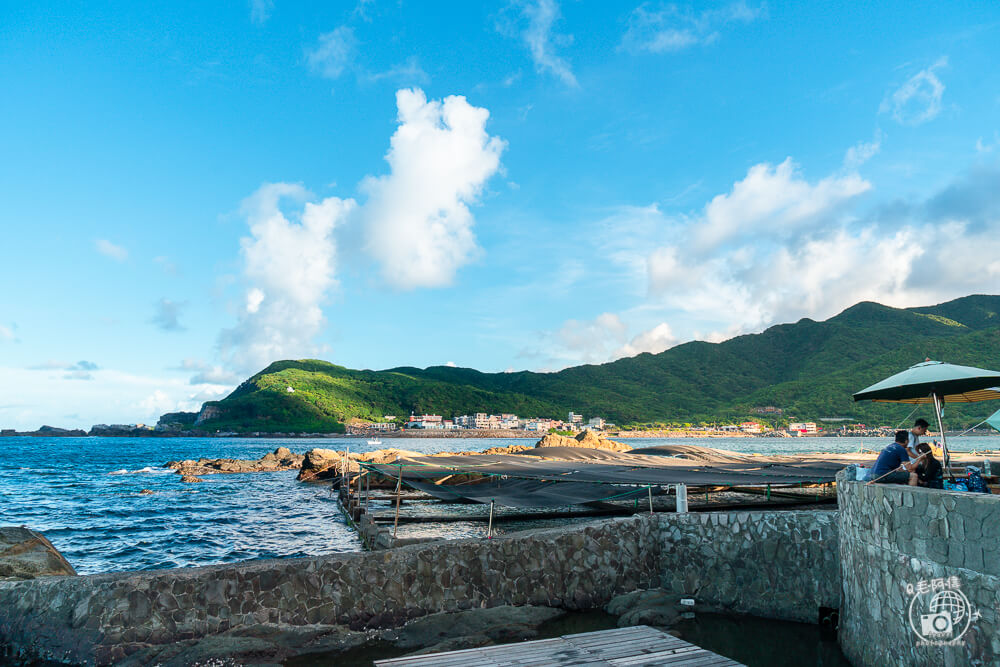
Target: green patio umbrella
994 420
935 382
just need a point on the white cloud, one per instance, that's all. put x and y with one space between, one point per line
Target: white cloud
918 100
288 268
863 151
208 374
451 364
27 398
167 315
654 341
671 28
6 333
944 248
603 339
407 73
591 341
333 52
534 26
417 219
109 249
773 201
260 11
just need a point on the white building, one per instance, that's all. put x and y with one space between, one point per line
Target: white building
575 418
803 427
596 422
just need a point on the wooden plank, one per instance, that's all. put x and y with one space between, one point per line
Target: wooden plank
634 646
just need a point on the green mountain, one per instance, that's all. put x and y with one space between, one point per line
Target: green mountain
809 369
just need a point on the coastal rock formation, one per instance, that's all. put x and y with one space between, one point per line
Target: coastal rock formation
656 607
320 465
472 628
585 439
25 554
280 459
191 479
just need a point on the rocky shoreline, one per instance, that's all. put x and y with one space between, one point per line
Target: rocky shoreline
318 465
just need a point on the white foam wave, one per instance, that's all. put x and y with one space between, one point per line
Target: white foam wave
141 471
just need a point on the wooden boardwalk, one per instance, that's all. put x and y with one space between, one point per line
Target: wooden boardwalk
632 647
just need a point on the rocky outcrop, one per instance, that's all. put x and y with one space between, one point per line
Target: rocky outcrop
320 465
656 607
585 439
280 459
207 413
25 554
471 628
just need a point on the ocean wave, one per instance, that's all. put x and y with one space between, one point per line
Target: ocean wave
142 471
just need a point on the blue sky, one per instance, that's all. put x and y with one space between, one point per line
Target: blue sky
192 191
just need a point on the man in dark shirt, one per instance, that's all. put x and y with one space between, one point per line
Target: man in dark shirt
892 458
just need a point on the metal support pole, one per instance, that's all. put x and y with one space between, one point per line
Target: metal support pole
489 530
368 489
944 441
768 491
650 489
399 486
682 498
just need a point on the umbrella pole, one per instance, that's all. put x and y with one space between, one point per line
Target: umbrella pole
944 440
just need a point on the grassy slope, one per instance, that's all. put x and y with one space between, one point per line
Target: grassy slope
809 368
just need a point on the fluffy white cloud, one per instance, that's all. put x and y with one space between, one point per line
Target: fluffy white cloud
655 340
31 397
672 28
603 339
109 249
534 25
289 268
918 100
417 219
6 333
937 250
333 52
773 201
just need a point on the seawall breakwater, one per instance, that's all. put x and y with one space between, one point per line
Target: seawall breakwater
775 564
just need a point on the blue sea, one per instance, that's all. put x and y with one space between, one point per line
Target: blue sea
84 494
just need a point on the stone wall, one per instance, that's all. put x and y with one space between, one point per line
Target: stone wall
778 564
892 537
782 565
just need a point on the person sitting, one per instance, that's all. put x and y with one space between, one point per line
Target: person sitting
928 472
893 465
919 429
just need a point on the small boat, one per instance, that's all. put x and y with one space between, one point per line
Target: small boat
375 442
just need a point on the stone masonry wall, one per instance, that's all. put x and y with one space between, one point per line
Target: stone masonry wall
782 565
778 564
892 536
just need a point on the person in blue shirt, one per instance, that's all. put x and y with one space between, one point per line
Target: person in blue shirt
893 464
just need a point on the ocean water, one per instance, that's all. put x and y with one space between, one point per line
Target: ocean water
85 495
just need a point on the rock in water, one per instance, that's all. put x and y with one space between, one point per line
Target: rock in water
25 554
473 627
320 464
191 479
280 459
